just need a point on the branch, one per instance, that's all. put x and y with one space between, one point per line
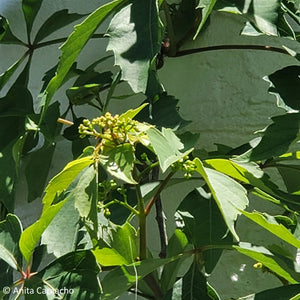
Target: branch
160 219
159 190
231 47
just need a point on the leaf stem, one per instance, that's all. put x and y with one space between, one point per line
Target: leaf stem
125 204
159 190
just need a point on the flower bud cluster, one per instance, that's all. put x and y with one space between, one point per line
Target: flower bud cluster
186 165
112 130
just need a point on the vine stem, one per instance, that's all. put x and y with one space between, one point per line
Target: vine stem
231 47
142 223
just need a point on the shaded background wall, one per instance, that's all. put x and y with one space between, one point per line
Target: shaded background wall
221 92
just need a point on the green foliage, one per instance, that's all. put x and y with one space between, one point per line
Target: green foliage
95 211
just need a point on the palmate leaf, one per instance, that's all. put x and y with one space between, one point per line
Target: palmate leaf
229 195
73 46
6 36
55 22
72 276
134 44
30 10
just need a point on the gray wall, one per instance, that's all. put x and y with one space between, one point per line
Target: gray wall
221 92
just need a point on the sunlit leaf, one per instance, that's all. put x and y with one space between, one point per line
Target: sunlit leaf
268 260
85 192
61 181
65 224
230 196
134 44
166 146
269 223
119 162
207 7
32 234
117 246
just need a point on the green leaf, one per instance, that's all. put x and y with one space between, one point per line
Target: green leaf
194 284
73 46
276 138
285 85
85 192
61 181
119 162
131 113
30 10
263 14
10 231
166 146
135 45
268 260
229 195
79 95
269 223
8 174
72 276
55 22
32 234
280 293
207 7
117 246
37 170
176 245
61 235
6 36
163 113
5 76
127 276
203 225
